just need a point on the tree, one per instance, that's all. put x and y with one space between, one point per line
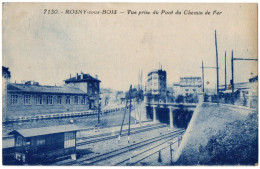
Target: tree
180 99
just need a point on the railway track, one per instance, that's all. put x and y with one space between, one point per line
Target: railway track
117 152
105 134
121 162
108 136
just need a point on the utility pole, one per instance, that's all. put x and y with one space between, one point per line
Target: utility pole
232 68
120 132
130 97
217 61
99 111
232 72
225 70
202 77
127 98
204 67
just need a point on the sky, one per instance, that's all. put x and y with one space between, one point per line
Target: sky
48 48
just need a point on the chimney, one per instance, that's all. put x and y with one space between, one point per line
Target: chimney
28 83
82 75
70 76
36 83
77 76
96 76
252 75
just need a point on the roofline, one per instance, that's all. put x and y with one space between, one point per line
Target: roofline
15 131
190 77
81 80
155 71
22 91
25 91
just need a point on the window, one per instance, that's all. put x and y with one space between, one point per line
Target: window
186 90
69 139
59 100
27 99
76 100
40 141
49 100
14 99
67 99
194 90
83 101
19 141
39 100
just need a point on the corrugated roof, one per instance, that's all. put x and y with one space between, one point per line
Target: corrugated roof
45 130
44 89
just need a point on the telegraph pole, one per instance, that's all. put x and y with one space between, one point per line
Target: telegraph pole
217 60
202 77
232 72
99 110
225 70
130 97
232 68
120 132
205 67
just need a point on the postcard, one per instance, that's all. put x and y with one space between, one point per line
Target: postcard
129 84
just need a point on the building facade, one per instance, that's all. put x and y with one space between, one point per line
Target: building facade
253 92
245 93
156 86
33 99
89 85
80 93
188 86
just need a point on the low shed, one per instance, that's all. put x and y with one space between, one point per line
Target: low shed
36 145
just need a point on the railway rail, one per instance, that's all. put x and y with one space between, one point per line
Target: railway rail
146 153
117 152
108 136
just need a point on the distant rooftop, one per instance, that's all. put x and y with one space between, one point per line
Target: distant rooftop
36 88
156 71
190 77
253 79
81 78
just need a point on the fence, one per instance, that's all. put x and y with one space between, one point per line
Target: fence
233 98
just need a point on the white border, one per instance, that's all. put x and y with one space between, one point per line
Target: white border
132 1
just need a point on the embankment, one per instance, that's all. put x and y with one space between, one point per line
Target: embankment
207 120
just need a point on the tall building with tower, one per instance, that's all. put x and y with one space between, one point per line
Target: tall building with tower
156 86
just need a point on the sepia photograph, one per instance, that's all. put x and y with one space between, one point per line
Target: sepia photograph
129 84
